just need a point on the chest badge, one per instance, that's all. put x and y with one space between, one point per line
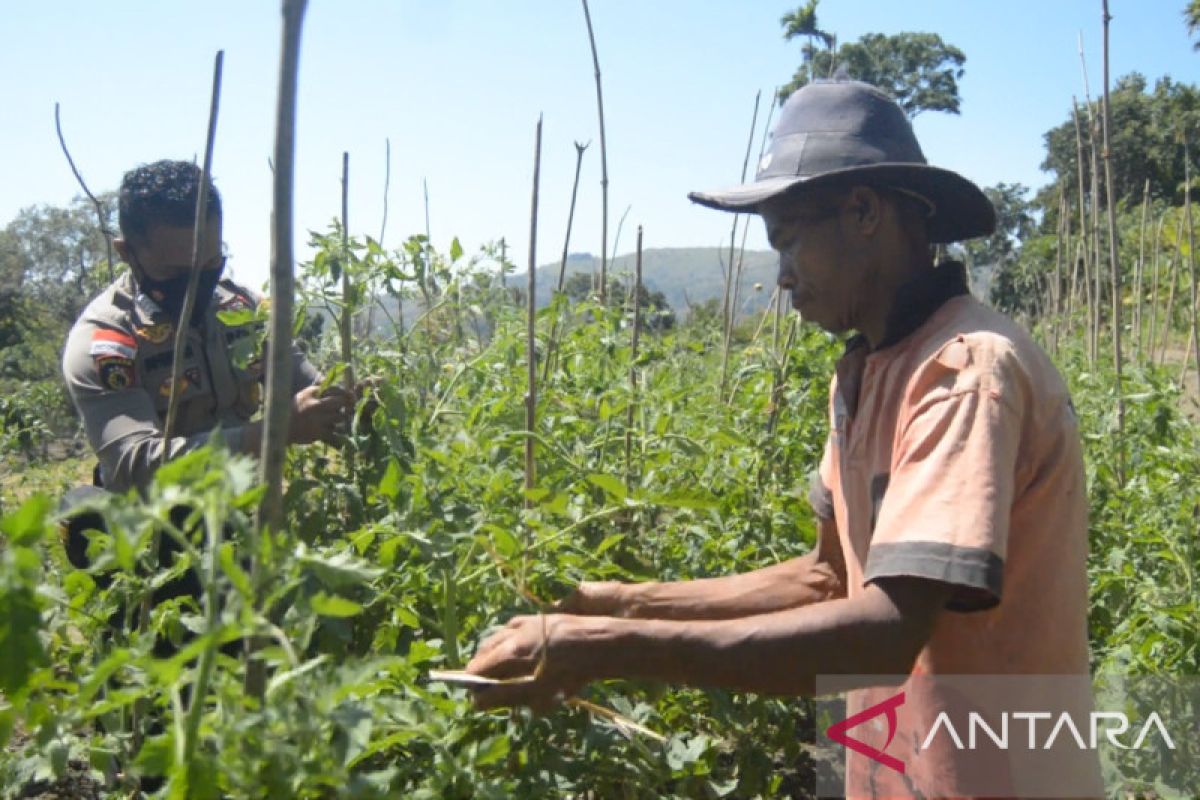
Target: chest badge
156 334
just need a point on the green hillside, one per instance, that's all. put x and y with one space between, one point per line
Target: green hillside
687 276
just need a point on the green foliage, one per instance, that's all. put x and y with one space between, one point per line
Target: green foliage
1148 133
918 70
1191 17
408 544
1144 555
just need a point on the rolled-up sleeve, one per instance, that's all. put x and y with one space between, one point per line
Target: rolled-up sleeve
944 509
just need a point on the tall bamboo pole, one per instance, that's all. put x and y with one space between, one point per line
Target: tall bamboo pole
1083 233
1056 289
727 305
633 354
531 316
1139 277
278 406
346 319
1152 333
1113 263
199 232
552 343
1187 212
603 160
1172 284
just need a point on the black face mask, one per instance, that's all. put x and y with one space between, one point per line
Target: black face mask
169 294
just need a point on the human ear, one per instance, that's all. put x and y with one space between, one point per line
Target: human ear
866 205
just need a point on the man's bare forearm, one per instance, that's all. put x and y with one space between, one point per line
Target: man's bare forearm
797 582
775 653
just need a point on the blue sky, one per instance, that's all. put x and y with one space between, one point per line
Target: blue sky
458 86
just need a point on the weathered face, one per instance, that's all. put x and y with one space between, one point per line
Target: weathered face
165 252
815 262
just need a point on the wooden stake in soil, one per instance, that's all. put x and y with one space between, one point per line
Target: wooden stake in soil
633 354
603 161
1194 345
101 216
531 318
278 404
728 312
1113 263
184 327
552 343
1139 276
346 318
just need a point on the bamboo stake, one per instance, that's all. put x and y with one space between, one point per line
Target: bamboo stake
1153 331
1056 292
728 311
345 319
531 305
1139 276
603 161
552 344
1083 228
633 372
387 183
183 328
1187 211
562 267
101 215
1173 281
1114 265
278 405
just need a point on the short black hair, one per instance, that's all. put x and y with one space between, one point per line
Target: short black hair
162 193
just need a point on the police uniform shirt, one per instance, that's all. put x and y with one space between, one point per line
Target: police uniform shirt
117 364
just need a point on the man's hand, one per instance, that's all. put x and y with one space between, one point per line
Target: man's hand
516 651
319 417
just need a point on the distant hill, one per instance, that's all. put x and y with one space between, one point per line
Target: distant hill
685 275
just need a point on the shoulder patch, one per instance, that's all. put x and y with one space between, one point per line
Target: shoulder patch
116 373
112 343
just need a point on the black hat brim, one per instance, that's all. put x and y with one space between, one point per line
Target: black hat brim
962 210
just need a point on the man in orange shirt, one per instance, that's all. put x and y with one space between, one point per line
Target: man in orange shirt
951 495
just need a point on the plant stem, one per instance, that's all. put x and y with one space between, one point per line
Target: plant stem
101 215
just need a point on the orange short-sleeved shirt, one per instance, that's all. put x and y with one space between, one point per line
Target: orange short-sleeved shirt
954 456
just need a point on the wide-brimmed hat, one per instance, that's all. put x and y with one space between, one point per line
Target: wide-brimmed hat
832 131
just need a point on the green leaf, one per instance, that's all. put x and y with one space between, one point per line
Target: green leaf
390 483
21 650
683 500
331 605
611 484
237 576
27 524
337 570
157 755
235 319
456 251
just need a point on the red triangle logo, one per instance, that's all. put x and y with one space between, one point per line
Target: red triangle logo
837 732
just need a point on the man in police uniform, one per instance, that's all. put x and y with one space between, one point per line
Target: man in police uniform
118 357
